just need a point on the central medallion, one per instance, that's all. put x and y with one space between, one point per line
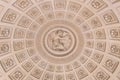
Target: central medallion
59 41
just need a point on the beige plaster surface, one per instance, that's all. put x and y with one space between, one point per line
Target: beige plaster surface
59 39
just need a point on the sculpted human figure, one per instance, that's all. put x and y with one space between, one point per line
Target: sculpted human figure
60 40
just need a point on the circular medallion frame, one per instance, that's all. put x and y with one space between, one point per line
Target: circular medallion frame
59 57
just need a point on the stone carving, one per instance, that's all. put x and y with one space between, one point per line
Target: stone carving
101 75
17 74
85 13
81 73
83 59
98 5
31 51
37 73
76 64
100 45
47 76
28 65
34 26
40 19
23 4
42 64
110 64
5 47
74 7
60 40
71 76
100 34
24 22
50 15
109 17
87 52
22 56
46 6
95 22
89 35
60 5
8 63
114 33
5 32
59 77
50 67
70 15
68 67
19 33
10 16
90 43
85 27
36 59
90 65
18 45
97 56
33 12
114 49
78 20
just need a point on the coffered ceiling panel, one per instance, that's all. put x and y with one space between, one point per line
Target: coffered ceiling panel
59 39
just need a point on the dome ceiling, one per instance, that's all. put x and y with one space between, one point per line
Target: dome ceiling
59 39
